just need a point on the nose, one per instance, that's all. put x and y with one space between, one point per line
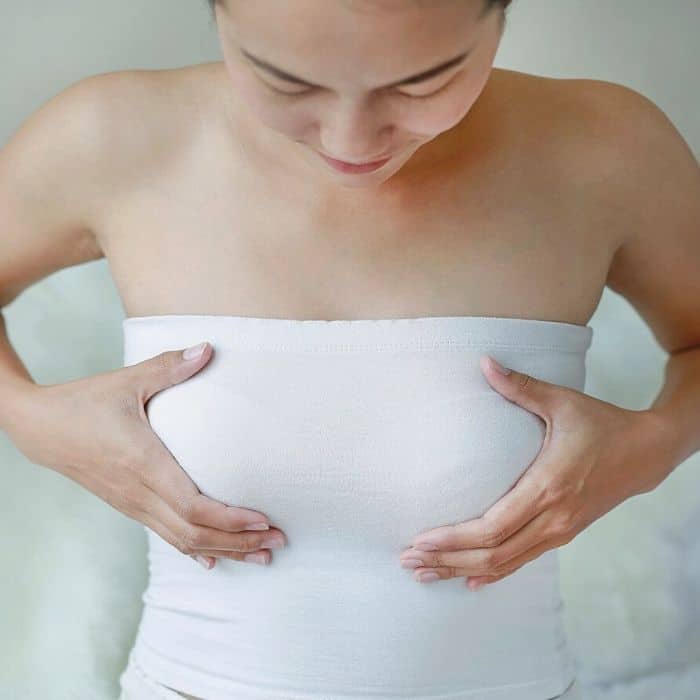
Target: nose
355 133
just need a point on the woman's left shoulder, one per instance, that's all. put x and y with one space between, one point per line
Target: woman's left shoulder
604 128
630 164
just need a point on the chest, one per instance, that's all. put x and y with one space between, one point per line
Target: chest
209 237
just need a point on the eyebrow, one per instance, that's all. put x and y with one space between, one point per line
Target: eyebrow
411 80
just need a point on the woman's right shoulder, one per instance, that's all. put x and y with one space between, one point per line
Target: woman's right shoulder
119 123
73 156
126 121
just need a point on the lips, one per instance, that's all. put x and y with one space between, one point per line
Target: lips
346 167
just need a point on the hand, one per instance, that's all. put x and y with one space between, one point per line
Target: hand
594 456
96 432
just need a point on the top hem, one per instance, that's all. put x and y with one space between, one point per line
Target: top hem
381 333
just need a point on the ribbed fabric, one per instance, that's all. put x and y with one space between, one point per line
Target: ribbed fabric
136 684
352 436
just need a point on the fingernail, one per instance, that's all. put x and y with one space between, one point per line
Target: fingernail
257 526
499 367
204 561
425 546
428 576
411 563
192 353
475 586
273 543
256 557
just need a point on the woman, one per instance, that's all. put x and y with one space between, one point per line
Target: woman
343 398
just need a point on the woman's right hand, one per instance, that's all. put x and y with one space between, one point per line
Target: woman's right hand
96 432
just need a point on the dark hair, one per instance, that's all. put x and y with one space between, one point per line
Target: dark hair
489 4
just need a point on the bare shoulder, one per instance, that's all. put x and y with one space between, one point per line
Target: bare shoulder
142 118
595 122
603 142
653 177
125 130
76 154
623 159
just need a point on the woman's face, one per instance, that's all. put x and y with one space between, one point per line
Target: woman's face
343 78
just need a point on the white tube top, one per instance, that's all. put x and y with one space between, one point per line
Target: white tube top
352 437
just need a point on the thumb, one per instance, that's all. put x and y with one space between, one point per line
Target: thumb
536 395
171 367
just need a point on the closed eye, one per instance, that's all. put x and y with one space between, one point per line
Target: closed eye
434 92
306 91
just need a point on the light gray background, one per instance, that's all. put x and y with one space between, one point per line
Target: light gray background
74 568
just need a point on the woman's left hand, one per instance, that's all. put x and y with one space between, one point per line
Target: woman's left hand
594 456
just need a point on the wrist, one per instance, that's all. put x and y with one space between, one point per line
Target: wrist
17 397
663 436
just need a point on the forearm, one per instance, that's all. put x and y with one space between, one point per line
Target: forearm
678 404
15 380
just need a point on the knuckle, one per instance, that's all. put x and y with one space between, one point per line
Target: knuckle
192 506
492 536
162 360
185 507
255 541
165 363
243 543
490 559
526 382
560 524
168 537
552 494
538 486
189 540
182 546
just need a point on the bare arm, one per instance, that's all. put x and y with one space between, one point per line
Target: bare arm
48 186
56 174
657 267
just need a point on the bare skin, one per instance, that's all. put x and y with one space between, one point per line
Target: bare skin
532 203
497 227
481 238
490 232
194 224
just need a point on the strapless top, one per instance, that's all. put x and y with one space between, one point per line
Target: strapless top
352 437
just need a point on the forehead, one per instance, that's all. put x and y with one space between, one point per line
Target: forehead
336 41
393 5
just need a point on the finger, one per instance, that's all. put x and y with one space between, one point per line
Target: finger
165 533
170 482
248 557
486 561
171 538
524 502
145 515
515 564
535 395
198 509
165 370
193 539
